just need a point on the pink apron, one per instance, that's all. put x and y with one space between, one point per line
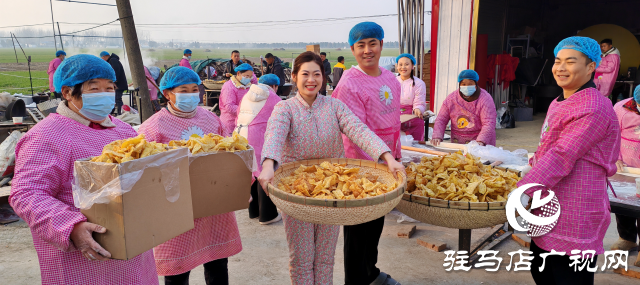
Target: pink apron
465 125
630 132
413 127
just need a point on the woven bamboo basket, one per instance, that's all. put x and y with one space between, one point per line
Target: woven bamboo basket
454 214
212 84
333 211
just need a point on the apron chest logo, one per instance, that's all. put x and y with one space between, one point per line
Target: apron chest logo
192 132
385 95
464 122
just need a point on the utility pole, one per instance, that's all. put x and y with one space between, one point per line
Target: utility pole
60 35
14 46
135 57
53 25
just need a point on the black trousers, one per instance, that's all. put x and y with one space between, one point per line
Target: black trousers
261 206
628 227
119 103
361 252
57 95
557 269
215 273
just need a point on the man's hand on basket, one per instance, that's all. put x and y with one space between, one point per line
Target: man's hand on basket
266 176
393 164
82 239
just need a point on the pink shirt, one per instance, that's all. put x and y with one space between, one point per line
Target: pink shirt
230 98
579 146
153 91
415 96
213 237
608 70
185 62
470 121
41 195
630 132
53 66
258 127
297 131
376 102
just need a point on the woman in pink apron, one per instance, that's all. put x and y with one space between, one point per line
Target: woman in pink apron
628 115
413 97
214 238
232 93
309 126
41 192
253 114
471 111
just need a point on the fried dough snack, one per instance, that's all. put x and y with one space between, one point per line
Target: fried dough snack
332 181
213 143
126 150
457 177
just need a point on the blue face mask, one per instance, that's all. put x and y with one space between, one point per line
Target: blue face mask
245 80
187 102
189 57
97 106
468 90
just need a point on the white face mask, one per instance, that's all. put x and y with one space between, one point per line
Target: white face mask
468 90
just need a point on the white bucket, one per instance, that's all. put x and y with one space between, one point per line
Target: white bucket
17 120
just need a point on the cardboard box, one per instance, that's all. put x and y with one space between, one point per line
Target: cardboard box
220 183
314 48
143 217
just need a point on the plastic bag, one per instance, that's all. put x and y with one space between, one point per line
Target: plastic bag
406 140
508 120
402 218
493 154
8 153
99 183
500 112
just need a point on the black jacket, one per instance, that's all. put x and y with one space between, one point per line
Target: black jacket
327 67
121 77
230 66
275 68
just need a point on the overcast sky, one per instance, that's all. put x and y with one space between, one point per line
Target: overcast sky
24 12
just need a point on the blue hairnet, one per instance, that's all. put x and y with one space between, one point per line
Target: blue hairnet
177 76
243 67
407 55
104 53
587 46
60 52
468 74
269 79
187 51
81 68
365 30
636 94
154 71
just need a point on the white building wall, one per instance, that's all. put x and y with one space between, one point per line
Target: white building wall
454 30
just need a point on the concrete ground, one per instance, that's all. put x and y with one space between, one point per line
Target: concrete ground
264 259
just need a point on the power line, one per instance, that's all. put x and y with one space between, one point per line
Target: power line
102 4
93 27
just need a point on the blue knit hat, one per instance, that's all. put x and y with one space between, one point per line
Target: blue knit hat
468 74
365 30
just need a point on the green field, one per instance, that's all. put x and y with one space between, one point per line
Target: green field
10 82
43 55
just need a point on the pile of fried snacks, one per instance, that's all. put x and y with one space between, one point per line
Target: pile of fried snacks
333 181
126 150
213 143
457 177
